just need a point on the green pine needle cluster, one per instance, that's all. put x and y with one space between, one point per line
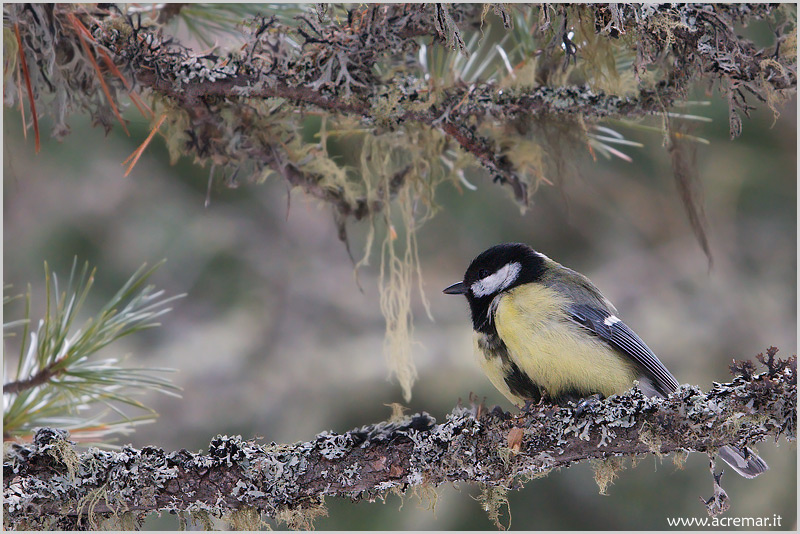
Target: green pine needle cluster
60 381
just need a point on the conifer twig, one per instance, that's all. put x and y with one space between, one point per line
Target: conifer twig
58 375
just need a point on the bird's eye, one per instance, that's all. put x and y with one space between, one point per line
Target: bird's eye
483 273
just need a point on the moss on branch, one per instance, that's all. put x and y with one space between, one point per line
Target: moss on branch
48 482
365 62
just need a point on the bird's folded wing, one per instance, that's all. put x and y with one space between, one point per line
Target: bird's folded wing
611 329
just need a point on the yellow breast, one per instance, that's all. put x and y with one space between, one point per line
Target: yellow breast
554 352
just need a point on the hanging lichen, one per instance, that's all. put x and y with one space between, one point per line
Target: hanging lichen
410 175
494 498
367 108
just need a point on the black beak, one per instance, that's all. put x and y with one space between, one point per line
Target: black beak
456 289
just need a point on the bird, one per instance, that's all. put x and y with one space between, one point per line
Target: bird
545 333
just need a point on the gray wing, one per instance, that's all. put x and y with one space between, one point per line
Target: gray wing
609 328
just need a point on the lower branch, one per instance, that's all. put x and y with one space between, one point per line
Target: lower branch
48 480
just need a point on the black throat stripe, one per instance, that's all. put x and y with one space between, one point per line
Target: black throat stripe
483 316
518 382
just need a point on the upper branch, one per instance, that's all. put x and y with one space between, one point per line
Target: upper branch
365 62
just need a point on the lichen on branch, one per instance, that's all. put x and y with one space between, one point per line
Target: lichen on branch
373 63
48 481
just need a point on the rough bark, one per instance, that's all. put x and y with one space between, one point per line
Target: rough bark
325 64
49 483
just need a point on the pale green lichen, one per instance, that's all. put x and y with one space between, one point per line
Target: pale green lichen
246 518
492 499
606 470
302 516
679 458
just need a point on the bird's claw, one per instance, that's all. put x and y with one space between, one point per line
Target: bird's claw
588 404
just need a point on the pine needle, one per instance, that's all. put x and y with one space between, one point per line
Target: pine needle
21 103
28 86
139 151
134 98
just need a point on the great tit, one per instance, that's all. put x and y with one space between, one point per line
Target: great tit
543 332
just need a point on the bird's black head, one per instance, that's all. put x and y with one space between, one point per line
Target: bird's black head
494 271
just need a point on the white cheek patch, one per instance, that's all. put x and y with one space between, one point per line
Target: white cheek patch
494 283
610 320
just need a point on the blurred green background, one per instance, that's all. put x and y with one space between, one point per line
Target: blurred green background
275 340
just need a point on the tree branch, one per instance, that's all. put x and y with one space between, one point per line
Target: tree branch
49 479
38 379
330 63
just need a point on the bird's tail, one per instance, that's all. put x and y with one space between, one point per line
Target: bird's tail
743 461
